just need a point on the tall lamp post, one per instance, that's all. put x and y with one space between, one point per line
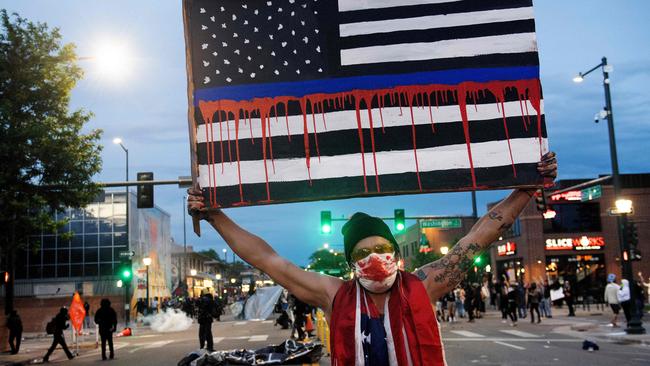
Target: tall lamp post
635 325
184 264
118 141
147 262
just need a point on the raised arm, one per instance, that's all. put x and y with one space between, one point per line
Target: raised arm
312 288
441 276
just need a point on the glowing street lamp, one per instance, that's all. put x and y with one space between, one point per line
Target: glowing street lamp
444 250
192 272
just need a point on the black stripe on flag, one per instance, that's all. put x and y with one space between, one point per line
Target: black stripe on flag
404 183
342 142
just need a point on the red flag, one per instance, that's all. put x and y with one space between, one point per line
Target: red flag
77 312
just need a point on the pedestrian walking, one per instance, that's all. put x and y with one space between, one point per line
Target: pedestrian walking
611 297
358 332
207 311
56 328
299 310
512 297
106 319
15 326
568 297
451 306
521 300
460 299
469 303
534 298
623 296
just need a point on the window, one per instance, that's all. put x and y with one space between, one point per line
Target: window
90 240
574 218
105 210
63 256
120 239
76 270
414 247
90 255
49 257
64 228
35 271
35 257
119 224
77 226
63 270
106 269
105 225
62 242
49 242
90 226
77 241
76 255
105 254
90 270
105 240
49 271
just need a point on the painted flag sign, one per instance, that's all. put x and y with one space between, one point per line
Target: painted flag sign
77 312
295 100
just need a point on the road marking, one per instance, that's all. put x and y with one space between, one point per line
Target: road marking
267 321
466 333
519 333
511 340
140 346
217 339
258 338
147 336
240 323
510 345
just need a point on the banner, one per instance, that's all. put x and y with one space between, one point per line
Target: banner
297 100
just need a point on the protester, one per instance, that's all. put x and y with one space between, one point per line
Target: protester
372 251
646 285
87 319
623 296
106 319
15 326
513 297
521 300
611 297
545 305
60 323
568 297
534 298
469 303
299 310
451 306
207 311
459 294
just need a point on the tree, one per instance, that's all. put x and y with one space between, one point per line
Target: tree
212 254
327 262
47 162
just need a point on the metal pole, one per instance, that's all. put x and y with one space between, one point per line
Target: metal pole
128 235
474 210
184 264
148 305
635 325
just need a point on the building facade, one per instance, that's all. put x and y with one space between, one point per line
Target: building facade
85 254
575 240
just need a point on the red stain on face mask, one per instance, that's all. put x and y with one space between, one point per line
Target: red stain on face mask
375 269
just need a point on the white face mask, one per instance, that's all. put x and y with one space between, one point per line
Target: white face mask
376 272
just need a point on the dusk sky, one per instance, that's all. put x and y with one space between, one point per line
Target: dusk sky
147 107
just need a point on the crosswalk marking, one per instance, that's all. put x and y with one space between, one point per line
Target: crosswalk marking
217 339
267 321
466 333
519 333
258 338
510 345
240 323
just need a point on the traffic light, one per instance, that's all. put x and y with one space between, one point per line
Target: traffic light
631 237
540 200
145 191
326 222
400 222
126 273
478 260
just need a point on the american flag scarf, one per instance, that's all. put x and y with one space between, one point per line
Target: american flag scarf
412 331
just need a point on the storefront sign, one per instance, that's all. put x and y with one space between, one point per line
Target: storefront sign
580 243
509 248
589 243
567 196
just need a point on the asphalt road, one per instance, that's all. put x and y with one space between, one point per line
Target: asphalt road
486 342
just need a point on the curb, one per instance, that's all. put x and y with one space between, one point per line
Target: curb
617 338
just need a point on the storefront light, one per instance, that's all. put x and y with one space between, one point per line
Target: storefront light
444 250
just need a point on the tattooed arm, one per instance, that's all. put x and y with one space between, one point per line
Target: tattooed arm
441 276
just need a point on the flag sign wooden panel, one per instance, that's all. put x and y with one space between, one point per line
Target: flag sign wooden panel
295 100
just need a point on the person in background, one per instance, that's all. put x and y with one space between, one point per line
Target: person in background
15 326
611 297
623 296
568 297
87 319
60 324
521 300
534 297
106 319
545 304
451 306
469 302
460 301
207 311
646 285
512 297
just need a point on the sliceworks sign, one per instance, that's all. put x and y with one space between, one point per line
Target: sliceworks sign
580 243
509 248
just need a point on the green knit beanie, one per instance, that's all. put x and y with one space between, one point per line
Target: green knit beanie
361 226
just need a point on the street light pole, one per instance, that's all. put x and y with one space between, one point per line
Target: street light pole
147 261
184 264
635 326
118 141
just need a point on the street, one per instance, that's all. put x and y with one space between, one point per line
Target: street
486 342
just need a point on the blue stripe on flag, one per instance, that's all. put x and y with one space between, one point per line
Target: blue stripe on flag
301 88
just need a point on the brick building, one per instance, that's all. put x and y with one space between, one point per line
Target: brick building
576 240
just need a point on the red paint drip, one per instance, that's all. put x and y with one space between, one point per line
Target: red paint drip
221 140
380 100
529 89
374 269
521 107
368 100
211 166
313 121
266 171
433 127
271 141
207 151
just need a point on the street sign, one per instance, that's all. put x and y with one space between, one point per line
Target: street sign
127 254
591 193
448 223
